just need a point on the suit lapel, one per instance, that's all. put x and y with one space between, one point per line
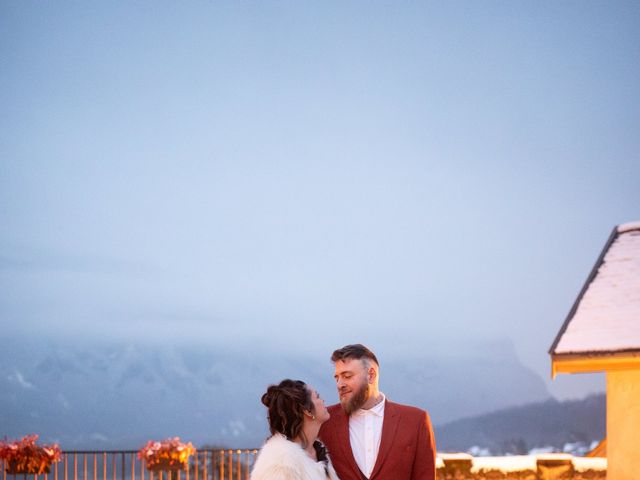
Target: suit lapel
389 428
343 434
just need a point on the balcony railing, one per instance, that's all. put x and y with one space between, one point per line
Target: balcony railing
125 465
237 464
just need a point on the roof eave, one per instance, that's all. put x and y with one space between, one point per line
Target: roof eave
592 362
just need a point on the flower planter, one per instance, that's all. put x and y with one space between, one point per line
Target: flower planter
165 464
168 455
22 457
13 467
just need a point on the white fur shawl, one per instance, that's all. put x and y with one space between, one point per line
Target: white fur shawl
282 459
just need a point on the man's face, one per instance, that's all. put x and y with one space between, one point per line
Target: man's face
352 381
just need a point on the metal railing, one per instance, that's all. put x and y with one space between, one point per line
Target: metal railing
236 465
125 465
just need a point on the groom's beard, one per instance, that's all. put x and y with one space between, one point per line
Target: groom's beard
357 400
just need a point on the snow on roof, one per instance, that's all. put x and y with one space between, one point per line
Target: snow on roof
515 463
605 317
583 464
518 463
626 227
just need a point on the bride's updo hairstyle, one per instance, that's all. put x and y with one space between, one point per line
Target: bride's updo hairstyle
286 404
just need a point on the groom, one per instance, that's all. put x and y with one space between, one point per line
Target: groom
369 437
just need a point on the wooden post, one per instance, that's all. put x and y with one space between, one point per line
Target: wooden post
556 467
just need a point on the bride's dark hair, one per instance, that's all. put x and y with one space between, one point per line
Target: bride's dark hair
286 403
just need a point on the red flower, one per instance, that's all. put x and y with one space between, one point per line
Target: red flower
171 452
24 456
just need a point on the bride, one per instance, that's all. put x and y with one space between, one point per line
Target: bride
293 452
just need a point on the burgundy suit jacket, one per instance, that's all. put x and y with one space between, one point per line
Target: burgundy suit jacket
407 447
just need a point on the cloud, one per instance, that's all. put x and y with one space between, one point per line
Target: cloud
99 437
35 259
18 378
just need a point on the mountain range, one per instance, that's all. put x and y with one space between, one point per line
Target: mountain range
551 425
118 395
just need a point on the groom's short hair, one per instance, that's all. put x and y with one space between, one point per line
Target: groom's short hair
356 351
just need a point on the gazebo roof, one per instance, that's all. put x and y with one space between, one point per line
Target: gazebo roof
605 318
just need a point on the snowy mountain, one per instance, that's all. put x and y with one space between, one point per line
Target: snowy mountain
572 425
112 395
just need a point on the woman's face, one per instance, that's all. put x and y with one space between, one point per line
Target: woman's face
319 410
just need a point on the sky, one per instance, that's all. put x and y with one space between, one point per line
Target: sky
417 176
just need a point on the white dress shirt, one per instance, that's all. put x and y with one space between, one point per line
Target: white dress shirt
365 432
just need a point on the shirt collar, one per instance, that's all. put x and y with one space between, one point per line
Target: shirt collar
377 409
